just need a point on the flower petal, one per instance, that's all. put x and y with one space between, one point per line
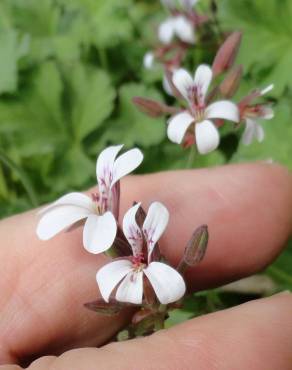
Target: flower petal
267 113
166 86
110 275
183 81
166 31
184 29
63 213
71 199
178 125
99 232
202 80
249 132
267 89
207 137
223 109
154 225
131 288
148 60
260 133
132 230
168 284
105 162
126 163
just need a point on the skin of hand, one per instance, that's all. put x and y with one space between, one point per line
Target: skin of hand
43 285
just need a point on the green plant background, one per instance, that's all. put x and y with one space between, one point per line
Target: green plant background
68 71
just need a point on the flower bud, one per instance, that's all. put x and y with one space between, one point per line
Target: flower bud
227 53
230 84
111 308
149 106
195 249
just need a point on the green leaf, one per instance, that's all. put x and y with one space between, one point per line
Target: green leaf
92 100
35 120
72 170
277 143
10 51
133 127
266 48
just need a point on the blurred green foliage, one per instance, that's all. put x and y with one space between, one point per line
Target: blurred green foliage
68 72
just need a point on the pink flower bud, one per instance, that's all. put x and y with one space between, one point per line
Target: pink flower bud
195 249
230 84
227 53
148 106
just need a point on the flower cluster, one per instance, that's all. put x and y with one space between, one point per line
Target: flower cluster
139 274
203 110
175 36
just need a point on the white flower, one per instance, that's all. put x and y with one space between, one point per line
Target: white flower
148 60
179 26
100 226
253 129
199 115
167 283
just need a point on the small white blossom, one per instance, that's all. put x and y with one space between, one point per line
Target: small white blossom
177 26
253 129
127 274
148 60
99 211
199 114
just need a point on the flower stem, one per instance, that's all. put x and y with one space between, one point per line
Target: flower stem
191 157
159 322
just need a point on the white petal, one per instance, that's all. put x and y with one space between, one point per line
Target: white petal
155 223
168 284
249 132
223 109
110 275
207 137
166 31
166 86
105 162
131 288
71 199
183 81
260 133
178 125
267 113
267 89
203 78
132 231
99 232
184 29
60 215
126 163
148 60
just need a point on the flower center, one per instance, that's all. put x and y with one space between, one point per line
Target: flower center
100 203
138 262
199 114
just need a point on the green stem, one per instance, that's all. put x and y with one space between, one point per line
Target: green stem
191 157
23 178
159 322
